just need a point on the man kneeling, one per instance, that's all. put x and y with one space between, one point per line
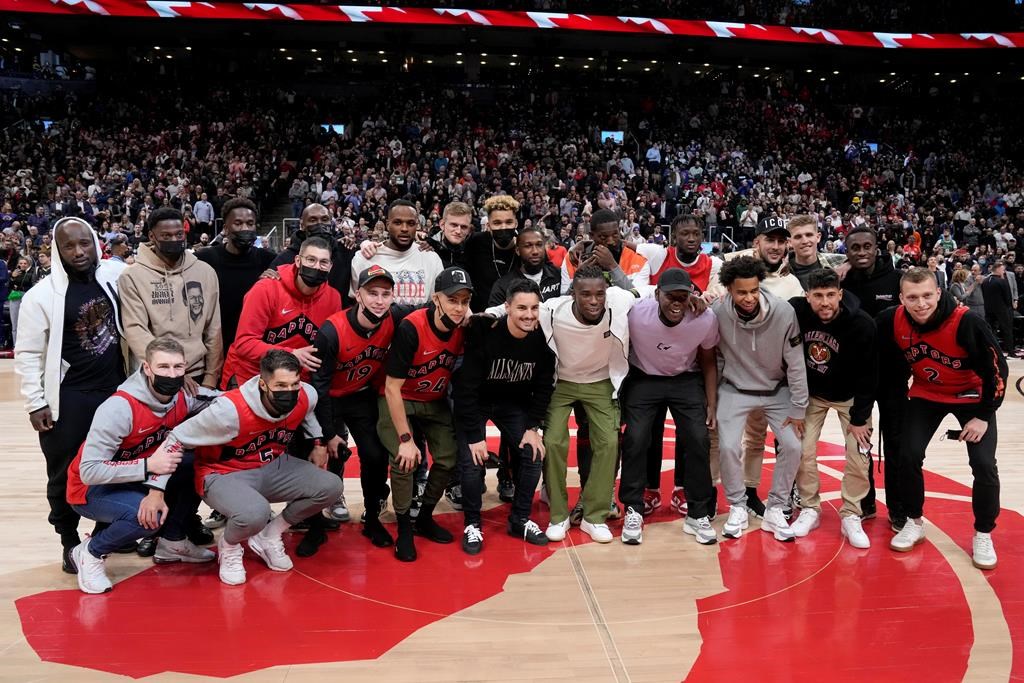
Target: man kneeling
242 465
120 478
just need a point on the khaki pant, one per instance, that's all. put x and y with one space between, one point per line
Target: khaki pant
855 473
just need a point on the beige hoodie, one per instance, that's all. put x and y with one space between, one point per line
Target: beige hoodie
182 302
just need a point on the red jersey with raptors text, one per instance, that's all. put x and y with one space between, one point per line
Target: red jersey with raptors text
938 363
433 361
148 431
259 441
359 358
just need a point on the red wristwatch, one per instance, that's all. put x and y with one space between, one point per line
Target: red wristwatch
405 438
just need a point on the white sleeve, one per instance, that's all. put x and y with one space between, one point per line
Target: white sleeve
566 280
30 351
655 255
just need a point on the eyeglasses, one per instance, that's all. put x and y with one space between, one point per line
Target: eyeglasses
313 262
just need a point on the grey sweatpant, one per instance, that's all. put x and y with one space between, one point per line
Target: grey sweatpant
733 408
244 497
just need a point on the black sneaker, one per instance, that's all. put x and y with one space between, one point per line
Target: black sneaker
528 531
66 564
754 504
127 548
472 539
506 489
405 546
454 495
426 527
197 533
311 543
869 511
146 547
378 535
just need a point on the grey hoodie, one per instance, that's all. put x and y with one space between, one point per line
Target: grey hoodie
765 352
113 423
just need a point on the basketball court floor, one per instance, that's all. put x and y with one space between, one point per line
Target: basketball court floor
669 610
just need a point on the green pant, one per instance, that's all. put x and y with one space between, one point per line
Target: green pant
603 412
434 421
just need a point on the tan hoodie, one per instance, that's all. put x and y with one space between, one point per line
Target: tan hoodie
182 302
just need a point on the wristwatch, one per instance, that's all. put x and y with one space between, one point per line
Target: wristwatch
405 438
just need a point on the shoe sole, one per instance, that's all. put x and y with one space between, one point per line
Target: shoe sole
806 533
263 556
186 560
691 532
230 583
907 550
770 528
472 551
850 541
985 567
632 540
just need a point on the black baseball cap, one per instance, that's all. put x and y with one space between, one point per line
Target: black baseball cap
770 225
675 280
119 238
452 280
375 272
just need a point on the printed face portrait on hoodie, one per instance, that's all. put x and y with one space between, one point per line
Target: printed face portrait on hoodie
194 297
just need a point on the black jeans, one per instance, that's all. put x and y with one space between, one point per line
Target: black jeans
60 446
359 412
510 419
1001 322
922 419
891 414
643 400
655 452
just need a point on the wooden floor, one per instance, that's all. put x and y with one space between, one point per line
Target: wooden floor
665 611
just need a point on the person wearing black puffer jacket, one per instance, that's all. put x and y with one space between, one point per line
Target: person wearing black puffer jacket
876 284
840 354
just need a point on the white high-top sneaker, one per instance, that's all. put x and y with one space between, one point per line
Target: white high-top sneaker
854 532
92 575
229 557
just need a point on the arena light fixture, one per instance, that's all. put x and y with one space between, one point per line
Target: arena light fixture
350 51
430 61
188 48
822 78
380 52
647 68
483 62
586 66
938 73
558 66
881 80
384 61
289 57
618 68
483 54
810 70
967 73
624 60
706 65
511 63
767 68
757 75
279 49
355 59
458 54
458 61
892 73
313 50
561 57
590 59
697 72
952 80
739 66
515 56
6 41
157 47
835 73
319 59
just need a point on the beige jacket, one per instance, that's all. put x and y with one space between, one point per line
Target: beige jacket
781 284
182 302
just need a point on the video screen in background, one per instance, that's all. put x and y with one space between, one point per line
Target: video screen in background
616 136
338 128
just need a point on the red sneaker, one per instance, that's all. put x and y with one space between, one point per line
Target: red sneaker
678 502
652 501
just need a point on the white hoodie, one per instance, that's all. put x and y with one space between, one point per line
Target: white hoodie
37 353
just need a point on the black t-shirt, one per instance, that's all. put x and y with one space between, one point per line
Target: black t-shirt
803 273
91 346
485 264
236 275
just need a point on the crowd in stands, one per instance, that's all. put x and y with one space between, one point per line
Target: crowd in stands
934 183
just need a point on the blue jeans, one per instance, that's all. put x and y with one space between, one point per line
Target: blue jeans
118 506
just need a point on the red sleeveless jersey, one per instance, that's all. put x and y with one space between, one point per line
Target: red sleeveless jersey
148 431
937 361
432 364
258 442
359 359
699 271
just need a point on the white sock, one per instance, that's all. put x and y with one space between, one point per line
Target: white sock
277 526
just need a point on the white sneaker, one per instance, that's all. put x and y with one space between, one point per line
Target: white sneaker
737 522
806 522
700 527
774 522
229 557
984 551
92 576
598 532
910 535
270 548
633 527
181 551
853 531
556 530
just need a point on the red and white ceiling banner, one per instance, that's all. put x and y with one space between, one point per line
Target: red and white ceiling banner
173 9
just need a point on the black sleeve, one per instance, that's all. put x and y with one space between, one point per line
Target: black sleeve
543 386
403 349
893 370
326 346
467 383
267 257
285 257
986 359
866 377
400 311
499 293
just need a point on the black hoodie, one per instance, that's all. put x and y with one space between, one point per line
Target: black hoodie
841 355
973 334
877 291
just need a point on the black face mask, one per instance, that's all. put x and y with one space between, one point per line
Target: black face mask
374 319
283 402
503 238
244 239
167 386
324 230
313 277
171 248
447 322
